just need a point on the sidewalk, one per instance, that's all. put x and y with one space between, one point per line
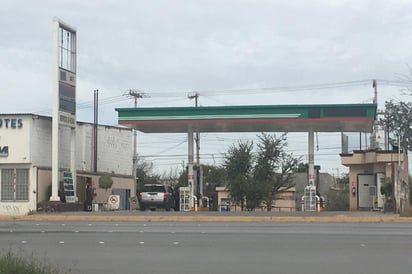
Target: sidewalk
162 216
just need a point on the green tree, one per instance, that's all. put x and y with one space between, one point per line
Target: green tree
105 182
238 164
302 168
257 177
182 180
274 168
410 189
269 150
338 198
398 120
144 173
343 182
213 176
387 188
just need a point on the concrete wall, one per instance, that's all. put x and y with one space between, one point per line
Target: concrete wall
28 138
40 141
114 149
15 138
119 182
284 201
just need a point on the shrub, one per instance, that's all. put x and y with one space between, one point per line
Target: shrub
16 263
105 182
337 200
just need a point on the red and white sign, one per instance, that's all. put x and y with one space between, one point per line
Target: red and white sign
114 201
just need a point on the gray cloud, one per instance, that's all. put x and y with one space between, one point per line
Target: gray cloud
181 46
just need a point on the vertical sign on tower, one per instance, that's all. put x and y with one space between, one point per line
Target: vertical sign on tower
64 95
67 75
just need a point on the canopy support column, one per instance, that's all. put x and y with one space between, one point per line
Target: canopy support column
309 198
190 178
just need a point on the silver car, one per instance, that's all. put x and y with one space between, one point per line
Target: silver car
155 196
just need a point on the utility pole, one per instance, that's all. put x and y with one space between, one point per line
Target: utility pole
374 142
96 121
199 177
197 137
136 94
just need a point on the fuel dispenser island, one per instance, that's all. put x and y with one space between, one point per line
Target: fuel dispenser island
311 199
191 197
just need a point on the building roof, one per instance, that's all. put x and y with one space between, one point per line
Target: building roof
44 117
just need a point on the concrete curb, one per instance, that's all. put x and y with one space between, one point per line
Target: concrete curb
203 218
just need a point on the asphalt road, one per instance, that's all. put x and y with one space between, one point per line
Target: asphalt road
214 247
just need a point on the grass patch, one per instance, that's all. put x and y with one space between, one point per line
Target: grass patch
18 263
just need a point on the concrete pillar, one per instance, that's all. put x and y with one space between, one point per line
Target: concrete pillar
73 159
311 158
190 167
55 121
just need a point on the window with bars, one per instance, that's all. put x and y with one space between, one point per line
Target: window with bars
14 184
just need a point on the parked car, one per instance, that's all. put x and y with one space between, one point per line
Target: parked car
155 196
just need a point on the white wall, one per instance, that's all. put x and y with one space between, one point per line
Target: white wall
114 152
40 141
29 142
15 138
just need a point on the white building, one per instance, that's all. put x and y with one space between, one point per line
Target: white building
26 160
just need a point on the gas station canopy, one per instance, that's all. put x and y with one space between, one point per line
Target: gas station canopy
256 118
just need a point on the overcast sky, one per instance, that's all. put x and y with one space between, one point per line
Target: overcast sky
169 49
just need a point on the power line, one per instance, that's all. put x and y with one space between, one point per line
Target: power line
248 91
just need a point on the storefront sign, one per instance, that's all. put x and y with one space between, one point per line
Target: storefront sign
67 119
11 123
